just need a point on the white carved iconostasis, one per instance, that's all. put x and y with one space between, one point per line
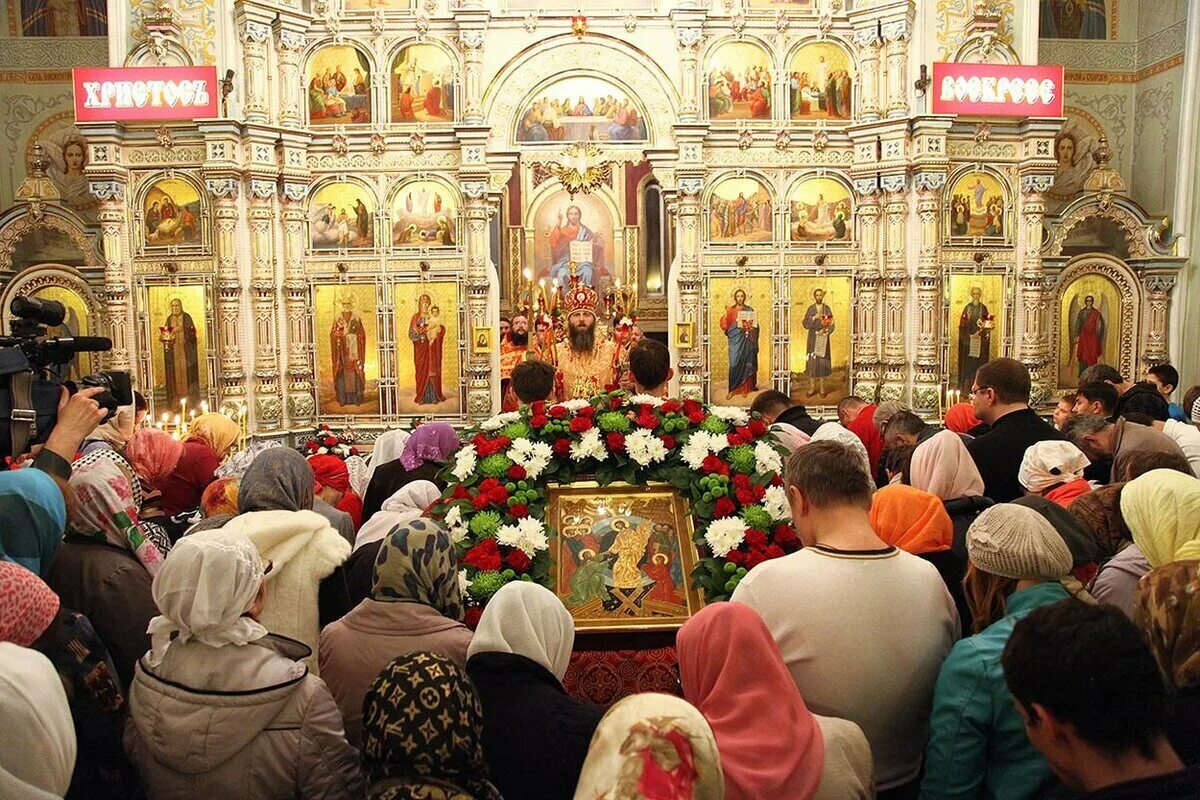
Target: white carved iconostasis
382 178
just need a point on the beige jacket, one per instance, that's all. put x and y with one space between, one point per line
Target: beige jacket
227 723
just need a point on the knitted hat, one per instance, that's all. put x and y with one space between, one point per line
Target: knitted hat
1017 542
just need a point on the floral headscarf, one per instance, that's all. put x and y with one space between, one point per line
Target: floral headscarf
423 733
1167 609
34 515
433 441
216 430
27 605
154 454
417 563
108 511
220 498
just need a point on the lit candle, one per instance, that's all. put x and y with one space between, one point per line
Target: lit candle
166 418
203 406
177 420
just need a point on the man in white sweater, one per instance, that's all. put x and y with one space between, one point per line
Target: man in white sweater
863 627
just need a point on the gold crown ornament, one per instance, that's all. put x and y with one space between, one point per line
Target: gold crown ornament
580 296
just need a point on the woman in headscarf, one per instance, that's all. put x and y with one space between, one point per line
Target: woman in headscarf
917 522
977 746
960 418
942 466
332 484
34 511
31 616
211 437
37 737
650 746
1099 512
791 437
155 455
109 557
415 606
388 447
422 733
422 459
1167 609
771 745
112 435
834 432
220 499
517 660
1054 470
1162 510
221 708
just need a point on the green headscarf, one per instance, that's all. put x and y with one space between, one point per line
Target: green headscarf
417 563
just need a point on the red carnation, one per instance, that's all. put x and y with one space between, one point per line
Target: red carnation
668 441
488 484
741 481
753 559
473 615
775 551
745 432
614 403
692 406
670 407
516 473
646 420
711 464
580 424
616 442
480 501
539 420
329 441
519 511
559 412
759 492
785 534
758 427
499 495
484 556
586 411
696 417
777 480
756 538
735 440
517 560
723 508
461 493
745 497
538 408
562 447
735 557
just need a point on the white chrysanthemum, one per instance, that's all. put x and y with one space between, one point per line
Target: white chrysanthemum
731 414
724 535
700 445
464 462
646 400
528 536
464 582
574 405
589 446
520 451
458 533
767 458
644 447
500 420
453 517
776 503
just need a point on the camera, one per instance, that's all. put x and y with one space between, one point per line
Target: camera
32 372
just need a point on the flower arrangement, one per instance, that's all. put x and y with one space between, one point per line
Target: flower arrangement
722 459
325 442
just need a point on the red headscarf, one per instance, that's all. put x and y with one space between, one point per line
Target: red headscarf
863 426
732 671
913 520
961 418
331 471
154 454
27 605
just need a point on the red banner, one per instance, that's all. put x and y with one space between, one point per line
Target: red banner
997 90
131 94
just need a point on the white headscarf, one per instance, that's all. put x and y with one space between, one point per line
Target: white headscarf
357 467
388 447
37 736
526 619
1050 463
408 503
942 466
118 430
835 432
203 590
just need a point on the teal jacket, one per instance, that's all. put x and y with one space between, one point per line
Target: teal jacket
978 747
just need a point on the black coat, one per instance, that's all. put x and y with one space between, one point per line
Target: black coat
1143 398
1183 725
535 735
963 511
998 453
349 584
798 417
391 477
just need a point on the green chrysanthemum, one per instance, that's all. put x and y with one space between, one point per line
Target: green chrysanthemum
515 430
754 516
485 524
715 425
496 465
485 585
741 458
614 422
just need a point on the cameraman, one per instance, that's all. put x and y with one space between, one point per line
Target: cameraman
78 415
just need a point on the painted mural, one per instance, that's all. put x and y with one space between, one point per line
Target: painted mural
422 86
739 210
1073 19
424 214
820 82
582 109
1073 149
339 86
977 207
820 210
739 82
171 213
341 216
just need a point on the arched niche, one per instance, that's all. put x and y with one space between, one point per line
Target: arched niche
580 107
342 215
820 209
58 235
428 71
337 84
171 214
67 285
819 77
424 212
1141 237
979 208
600 56
736 69
1116 297
550 226
739 209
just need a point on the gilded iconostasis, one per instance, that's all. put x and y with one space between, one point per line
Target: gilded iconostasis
387 179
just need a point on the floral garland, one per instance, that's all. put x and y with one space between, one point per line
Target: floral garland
721 458
325 442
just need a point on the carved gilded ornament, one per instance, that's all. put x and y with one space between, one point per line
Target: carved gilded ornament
929 181
1135 230
222 188
1127 288
1036 184
107 190
262 189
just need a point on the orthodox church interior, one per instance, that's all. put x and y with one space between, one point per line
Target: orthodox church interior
762 185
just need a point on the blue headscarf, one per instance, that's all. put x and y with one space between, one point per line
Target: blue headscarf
34 515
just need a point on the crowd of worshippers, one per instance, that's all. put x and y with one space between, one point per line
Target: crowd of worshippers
997 607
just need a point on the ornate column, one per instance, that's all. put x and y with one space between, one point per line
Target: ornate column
256 43
868 71
1158 296
895 287
1034 347
290 43
118 272
470 43
687 213
866 290
268 408
688 38
229 292
896 35
477 211
929 291
301 406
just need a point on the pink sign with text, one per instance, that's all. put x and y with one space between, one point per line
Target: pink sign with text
997 90
132 94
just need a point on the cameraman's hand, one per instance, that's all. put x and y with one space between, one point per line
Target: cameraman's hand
78 415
